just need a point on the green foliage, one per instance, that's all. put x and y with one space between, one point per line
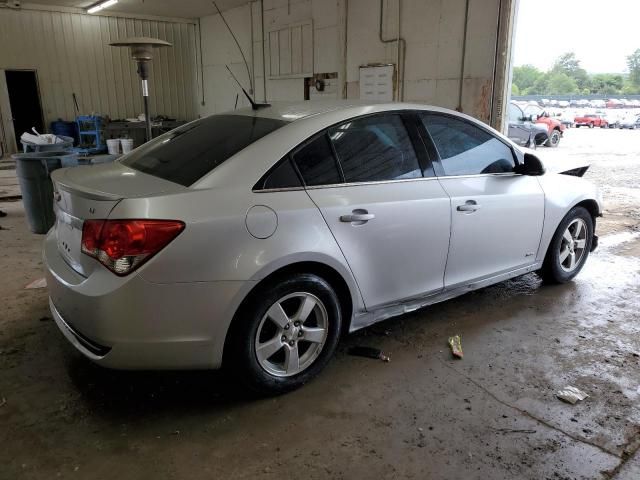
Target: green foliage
568 77
560 83
633 62
525 76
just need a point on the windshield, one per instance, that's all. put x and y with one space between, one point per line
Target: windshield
187 153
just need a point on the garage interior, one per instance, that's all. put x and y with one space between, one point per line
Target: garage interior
493 414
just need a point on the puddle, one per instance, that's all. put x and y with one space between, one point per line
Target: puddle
616 239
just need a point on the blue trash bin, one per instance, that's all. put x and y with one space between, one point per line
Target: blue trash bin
33 172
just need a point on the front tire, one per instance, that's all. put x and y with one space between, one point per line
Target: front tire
569 247
284 335
554 139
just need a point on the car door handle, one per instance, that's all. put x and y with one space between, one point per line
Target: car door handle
469 206
358 216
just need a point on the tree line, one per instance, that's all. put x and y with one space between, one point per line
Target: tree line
566 76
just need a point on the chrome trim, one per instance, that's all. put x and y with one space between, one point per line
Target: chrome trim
381 182
476 175
376 182
284 189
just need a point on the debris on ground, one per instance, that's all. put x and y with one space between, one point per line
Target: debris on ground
513 430
3 402
368 352
571 395
39 283
3 213
455 343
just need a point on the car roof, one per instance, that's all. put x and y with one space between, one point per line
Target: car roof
303 120
293 111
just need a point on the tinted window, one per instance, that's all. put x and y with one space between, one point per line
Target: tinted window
375 148
283 176
316 162
465 149
515 114
189 152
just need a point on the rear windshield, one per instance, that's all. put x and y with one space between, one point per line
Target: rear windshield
189 152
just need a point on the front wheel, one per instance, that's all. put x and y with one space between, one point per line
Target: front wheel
569 247
554 139
286 333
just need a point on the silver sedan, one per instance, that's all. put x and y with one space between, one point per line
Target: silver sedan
252 240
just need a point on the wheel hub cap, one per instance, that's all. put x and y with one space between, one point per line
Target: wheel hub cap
291 334
573 245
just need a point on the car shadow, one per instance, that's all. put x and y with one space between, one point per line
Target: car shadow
121 395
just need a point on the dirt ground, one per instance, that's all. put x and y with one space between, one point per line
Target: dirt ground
493 415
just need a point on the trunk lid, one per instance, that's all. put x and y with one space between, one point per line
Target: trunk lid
91 192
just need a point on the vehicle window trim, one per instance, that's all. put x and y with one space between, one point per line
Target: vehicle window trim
438 161
412 122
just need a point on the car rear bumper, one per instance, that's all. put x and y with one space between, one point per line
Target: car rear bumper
131 323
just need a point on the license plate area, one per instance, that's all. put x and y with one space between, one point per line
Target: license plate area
69 238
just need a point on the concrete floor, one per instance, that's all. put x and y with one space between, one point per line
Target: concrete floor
492 415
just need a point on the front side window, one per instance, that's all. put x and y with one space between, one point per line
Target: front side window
515 114
189 152
465 149
375 148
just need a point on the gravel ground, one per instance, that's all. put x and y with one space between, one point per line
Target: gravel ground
493 414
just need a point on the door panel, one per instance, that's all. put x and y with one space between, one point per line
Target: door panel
496 224
394 235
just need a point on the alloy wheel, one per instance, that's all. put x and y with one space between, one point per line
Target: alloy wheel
291 334
573 245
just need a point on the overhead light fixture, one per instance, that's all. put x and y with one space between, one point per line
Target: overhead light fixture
101 6
142 52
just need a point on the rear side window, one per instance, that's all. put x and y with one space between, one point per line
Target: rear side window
189 152
283 176
375 148
316 162
465 149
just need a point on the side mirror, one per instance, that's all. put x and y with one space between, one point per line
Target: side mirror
532 166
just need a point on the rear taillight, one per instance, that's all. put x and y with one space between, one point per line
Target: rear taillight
124 245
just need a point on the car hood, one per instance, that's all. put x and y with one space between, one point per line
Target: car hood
560 164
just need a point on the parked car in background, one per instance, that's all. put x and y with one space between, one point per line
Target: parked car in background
590 120
612 118
630 121
254 239
555 128
523 130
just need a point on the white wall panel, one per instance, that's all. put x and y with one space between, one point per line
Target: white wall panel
70 52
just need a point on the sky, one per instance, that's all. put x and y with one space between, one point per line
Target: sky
602 33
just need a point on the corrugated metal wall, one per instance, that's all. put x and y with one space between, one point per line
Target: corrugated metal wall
70 52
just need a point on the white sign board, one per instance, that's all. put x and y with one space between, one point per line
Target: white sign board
376 83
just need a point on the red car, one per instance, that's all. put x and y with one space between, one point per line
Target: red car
591 120
555 129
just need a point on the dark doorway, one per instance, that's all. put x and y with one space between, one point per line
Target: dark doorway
24 99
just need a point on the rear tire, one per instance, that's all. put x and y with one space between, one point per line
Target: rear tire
569 247
284 335
591 125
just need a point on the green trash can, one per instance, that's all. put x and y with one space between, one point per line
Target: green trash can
33 170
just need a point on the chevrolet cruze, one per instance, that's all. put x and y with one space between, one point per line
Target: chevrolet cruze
252 240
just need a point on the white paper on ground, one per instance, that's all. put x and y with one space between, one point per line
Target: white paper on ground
571 395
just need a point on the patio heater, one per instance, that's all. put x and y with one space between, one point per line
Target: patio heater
142 53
